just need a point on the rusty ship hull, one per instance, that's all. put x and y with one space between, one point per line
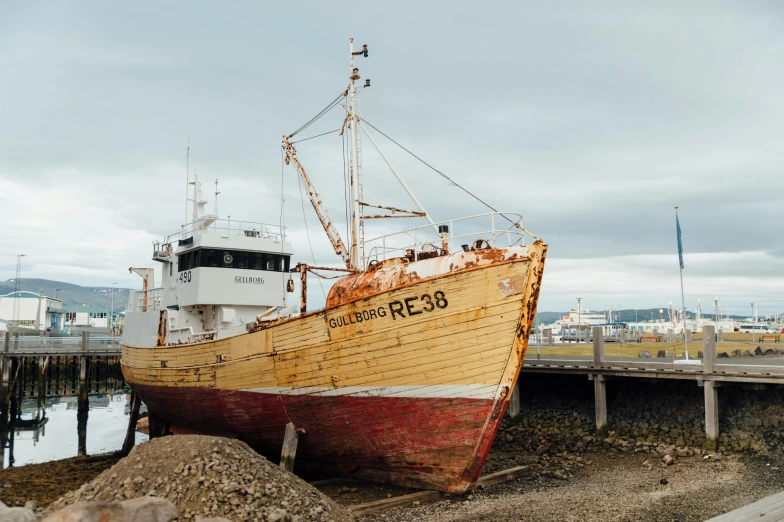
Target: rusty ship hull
402 378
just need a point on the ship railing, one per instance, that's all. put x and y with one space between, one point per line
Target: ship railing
145 300
230 227
497 229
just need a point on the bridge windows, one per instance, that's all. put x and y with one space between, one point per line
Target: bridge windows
242 260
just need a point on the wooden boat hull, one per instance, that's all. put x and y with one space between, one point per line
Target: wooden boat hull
406 386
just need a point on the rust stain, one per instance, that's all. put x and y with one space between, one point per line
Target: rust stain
392 273
161 340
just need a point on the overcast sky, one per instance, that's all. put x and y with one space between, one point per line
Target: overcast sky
591 119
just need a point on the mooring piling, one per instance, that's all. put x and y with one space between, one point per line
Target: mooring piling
130 434
599 383
710 388
83 407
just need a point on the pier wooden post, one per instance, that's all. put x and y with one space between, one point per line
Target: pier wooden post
711 415
130 434
5 371
513 410
7 342
16 391
599 383
708 349
289 451
83 402
598 347
709 386
43 362
600 404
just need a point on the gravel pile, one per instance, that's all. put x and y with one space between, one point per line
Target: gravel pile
208 476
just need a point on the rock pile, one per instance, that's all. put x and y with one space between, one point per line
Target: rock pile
206 476
16 514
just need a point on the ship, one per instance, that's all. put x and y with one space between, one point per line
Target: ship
402 377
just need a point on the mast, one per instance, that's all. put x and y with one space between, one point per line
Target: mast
683 299
354 171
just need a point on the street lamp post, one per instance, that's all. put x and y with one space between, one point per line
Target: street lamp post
579 316
111 320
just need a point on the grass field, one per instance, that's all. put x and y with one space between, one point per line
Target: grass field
631 349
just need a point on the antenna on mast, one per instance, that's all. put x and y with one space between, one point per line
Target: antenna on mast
216 197
187 177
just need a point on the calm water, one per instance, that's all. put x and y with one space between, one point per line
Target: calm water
57 438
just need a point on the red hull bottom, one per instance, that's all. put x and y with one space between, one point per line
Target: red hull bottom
439 443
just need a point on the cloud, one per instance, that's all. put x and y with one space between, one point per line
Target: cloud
592 120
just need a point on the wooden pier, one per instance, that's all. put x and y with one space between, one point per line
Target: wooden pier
768 509
706 373
39 367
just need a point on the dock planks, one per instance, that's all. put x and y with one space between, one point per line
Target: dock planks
768 509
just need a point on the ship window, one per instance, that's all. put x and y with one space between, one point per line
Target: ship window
256 261
233 259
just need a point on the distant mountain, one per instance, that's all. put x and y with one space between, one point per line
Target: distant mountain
97 296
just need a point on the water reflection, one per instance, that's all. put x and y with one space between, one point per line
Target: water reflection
51 433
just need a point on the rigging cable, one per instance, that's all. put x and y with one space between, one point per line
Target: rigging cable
325 110
282 205
450 180
316 136
307 232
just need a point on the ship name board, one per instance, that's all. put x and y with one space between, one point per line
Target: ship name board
407 307
249 280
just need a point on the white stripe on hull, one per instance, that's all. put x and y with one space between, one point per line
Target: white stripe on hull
453 391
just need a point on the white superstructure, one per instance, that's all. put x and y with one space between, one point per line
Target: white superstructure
218 276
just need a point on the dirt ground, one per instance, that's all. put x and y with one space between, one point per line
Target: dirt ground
609 487
593 486
46 482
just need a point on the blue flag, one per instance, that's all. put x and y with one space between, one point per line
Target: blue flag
680 245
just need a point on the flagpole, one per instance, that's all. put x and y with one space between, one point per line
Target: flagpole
683 299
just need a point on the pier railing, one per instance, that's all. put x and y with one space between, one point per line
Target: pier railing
22 345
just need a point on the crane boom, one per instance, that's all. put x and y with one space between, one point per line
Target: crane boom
315 199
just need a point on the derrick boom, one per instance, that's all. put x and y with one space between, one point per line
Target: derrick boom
315 199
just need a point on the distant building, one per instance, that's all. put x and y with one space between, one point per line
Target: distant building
22 308
85 315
